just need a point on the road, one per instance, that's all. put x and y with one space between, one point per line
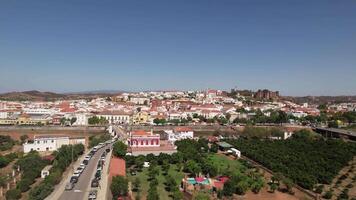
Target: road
83 186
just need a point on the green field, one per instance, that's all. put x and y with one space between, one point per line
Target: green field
224 164
143 176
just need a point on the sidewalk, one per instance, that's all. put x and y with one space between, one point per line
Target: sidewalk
104 182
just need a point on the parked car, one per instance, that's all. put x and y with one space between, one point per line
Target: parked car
98 174
82 165
74 179
85 161
76 173
80 169
92 195
95 183
69 186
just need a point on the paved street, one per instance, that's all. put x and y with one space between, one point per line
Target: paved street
82 187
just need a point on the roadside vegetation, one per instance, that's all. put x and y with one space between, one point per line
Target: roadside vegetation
63 158
31 165
7 159
94 140
6 142
306 159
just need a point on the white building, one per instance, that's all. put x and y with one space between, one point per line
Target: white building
140 100
38 111
50 143
179 133
116 117
81 118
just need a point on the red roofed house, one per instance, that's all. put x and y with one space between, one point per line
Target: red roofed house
141 138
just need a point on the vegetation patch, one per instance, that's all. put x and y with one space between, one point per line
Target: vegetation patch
304 158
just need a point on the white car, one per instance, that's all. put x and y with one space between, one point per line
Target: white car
82 165
76 173
80 170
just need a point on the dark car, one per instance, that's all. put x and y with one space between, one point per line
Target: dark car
98 174
74 179
107 150
95 183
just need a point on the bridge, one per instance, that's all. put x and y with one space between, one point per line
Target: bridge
336 133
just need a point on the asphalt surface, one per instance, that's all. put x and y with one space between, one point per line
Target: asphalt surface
83 186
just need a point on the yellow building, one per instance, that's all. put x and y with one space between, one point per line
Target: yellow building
141 118
25 119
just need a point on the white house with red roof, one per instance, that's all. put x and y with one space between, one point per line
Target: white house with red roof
141 138
179 133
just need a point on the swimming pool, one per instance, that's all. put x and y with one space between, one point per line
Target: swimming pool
193 181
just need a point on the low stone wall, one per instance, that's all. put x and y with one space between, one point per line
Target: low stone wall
54 128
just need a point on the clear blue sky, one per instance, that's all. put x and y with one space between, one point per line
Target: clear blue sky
297 47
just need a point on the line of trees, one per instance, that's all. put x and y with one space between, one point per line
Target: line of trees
64 156
119 186
97 120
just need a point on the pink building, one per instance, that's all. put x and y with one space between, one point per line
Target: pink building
141 138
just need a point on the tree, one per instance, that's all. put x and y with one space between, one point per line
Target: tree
328 194
192 167
273 187
229 188
159 121
214 148
165 167
13 194
177 195
63 120
201 196
73 120
152 193
23 138
241 187
137 185
119 186
257 185
170 183
119 149
289 185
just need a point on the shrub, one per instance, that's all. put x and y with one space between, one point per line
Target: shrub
13 194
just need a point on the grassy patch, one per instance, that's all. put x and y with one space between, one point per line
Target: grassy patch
225 164
143 176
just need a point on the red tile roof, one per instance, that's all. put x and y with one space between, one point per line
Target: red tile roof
117 167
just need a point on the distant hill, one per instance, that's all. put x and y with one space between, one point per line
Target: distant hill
35 95
321 99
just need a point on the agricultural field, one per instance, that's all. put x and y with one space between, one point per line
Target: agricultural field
143 176
305 159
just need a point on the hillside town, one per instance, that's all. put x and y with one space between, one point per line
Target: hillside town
168 107
174 145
